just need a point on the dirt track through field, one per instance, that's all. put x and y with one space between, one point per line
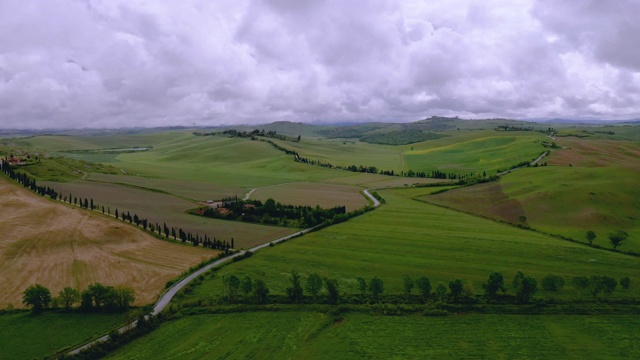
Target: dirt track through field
59 245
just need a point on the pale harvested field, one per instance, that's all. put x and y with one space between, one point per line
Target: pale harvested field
312 194
59 245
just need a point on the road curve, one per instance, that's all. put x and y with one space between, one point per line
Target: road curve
168 295
530 164
376 203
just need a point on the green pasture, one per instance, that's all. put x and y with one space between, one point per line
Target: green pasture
191 190
572 200
348 152
63 169
495 150
107 140
225 161
408 237
281 127
310 335
27 336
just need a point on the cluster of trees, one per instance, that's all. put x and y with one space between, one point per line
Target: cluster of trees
400 137
96 297
236 290
616 238
272 213
245 289
526 286
252 134
513 128
26 181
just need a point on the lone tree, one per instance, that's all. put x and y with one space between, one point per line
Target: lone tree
552 282
294 292
598 284
314 284
333 295
441 291
456 287
246 285
37 297
362 285
260 291
590 236
408 284
376 287
617 238
230 285
625 282
68 297
424 286
525 286
494 284
124 298
580 283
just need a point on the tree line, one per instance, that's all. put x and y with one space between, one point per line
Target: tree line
616 238
251 134
176 233
95 298
322 289
26 181
435 174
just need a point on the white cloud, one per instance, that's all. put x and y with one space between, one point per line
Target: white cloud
133 63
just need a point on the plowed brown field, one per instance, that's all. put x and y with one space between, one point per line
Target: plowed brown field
59 245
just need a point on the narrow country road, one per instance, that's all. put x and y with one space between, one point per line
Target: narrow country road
246 197
520 167
168 295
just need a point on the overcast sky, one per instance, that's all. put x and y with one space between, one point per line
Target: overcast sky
72 63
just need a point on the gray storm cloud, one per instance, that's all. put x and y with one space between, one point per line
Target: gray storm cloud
137 63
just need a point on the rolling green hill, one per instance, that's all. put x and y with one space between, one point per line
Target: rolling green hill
588 185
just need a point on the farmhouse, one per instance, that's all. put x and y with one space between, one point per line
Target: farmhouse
223 211
15 161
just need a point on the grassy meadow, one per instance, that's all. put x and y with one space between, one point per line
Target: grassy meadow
477 152
588 185
27 336
408 237
310 335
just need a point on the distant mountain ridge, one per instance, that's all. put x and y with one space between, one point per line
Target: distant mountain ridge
348 129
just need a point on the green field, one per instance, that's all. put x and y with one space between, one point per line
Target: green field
408 237
476 152
309 335
25 336
571 200
588 185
